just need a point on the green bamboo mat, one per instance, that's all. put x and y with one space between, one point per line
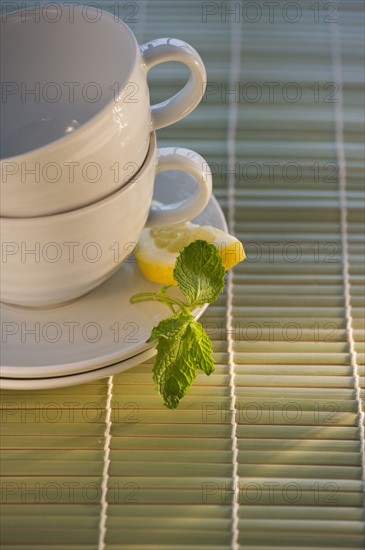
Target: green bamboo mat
267 453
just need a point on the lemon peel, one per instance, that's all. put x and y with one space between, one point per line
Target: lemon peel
158 248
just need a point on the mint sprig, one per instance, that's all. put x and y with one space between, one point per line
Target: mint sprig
183 346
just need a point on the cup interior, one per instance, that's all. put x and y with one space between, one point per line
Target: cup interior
60 66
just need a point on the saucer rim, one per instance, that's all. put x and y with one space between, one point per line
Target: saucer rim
69 380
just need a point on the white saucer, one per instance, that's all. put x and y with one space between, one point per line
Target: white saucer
101 328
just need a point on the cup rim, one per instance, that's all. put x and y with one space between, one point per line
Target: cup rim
15 15
69 214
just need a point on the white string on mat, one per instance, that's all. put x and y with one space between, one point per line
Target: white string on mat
104 486
103 518
341 158
234 77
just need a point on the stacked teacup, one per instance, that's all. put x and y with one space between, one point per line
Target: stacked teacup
78 149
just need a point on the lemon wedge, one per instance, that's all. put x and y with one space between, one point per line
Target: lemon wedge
159 247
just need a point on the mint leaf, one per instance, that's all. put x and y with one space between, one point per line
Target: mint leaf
201 348
183 347
170 327
199 272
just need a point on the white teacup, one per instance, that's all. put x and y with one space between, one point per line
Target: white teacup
75 111
48 260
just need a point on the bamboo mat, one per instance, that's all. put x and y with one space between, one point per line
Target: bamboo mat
268 452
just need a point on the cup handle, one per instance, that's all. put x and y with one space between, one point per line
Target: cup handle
177 158
181 104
